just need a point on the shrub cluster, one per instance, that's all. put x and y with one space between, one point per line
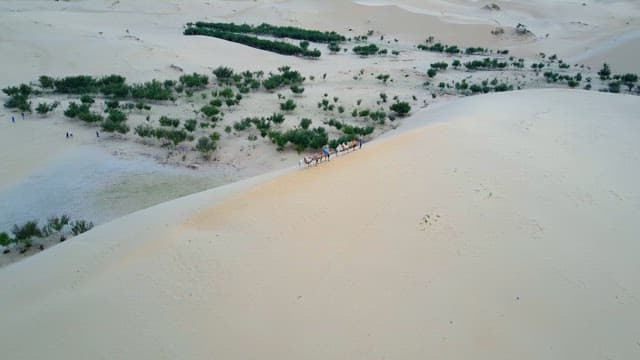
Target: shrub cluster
438 47
275 31
366 50
300 138
194 80
486 64
116 121
285 77
24 234
18 97
279 47
401 108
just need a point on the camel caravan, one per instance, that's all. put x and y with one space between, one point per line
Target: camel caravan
316 158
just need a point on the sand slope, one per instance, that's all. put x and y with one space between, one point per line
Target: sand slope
508 230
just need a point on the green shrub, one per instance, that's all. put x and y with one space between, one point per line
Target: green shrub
297 89
26 231
194 80
115 122
223 74
366 50
605 72
44 108
288 105
401 108
153 90
173 135
304 123
277 118
244 124
432 72
86 99
439 65
190 125
206 145
46 82
167 121
144 130
81 226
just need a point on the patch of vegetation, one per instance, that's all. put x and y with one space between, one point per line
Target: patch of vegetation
401 108
275 31
116 122
44 108
366 50
486 64
288 105
167 121
194 80
278 47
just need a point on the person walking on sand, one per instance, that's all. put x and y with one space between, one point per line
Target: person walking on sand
13 119
325 150
23 115
97 133
361 142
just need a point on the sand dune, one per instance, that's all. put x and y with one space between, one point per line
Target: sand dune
504 230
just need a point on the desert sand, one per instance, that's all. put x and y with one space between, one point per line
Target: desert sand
505 229
497 226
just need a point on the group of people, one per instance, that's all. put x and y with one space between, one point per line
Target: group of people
326 152
13 118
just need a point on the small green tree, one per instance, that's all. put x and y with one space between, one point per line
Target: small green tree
605 72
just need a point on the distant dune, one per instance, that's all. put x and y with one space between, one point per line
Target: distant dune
506 229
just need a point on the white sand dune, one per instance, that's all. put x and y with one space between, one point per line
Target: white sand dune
507 230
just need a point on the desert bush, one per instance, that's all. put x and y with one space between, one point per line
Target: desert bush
378 116
172 135
305 123
87 99
46 82
57 223
277 118
80 226
288 105
206 145
486 64
5 240
401 108
242 125
144 130
167 121
334 47
151 90
44 108
26 231
297 89
432 72
614 86
439 65
366 50
223 74
194 80
605 72
190 125
115 122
